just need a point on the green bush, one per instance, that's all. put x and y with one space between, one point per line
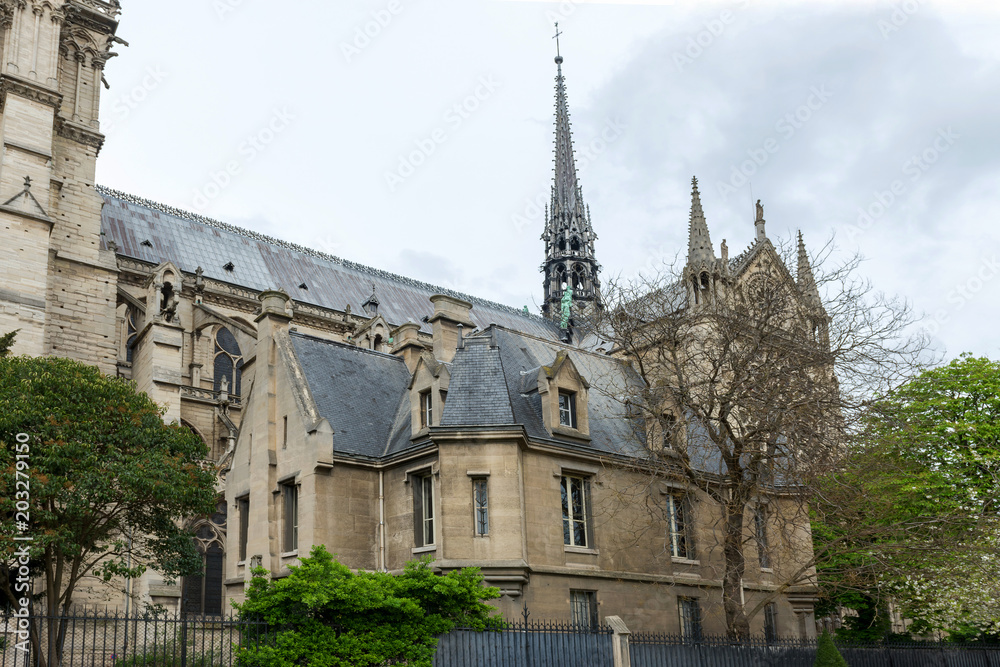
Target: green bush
324 615
168 654
827 654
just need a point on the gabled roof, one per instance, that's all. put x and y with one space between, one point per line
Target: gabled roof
358 391
612 431
260 262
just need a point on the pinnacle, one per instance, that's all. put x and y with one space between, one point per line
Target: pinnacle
700 250
805 277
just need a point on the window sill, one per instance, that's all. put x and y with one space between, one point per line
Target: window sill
570 432
570 549
684 561
767 570
241 563
290 554
423 550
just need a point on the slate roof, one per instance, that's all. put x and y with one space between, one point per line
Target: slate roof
477 391
261 262
360 392
611 431
364 395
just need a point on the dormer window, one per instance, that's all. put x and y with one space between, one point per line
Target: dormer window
669 430
567 409
426 409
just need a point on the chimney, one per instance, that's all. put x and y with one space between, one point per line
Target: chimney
274 317
449 312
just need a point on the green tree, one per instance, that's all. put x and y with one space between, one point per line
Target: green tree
7 342
95 478
915 504
326 616
827 654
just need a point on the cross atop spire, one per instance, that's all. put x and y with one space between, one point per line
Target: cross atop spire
556 37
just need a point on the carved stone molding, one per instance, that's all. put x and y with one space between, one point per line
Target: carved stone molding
29 90
96 15
79 133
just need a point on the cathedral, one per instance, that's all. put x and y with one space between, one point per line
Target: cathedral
345 405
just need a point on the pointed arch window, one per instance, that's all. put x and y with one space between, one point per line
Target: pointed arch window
560 276
131 334
579 277
574 245
228 361
201 594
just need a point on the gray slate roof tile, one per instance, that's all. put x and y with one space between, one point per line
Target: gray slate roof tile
261 262
358 391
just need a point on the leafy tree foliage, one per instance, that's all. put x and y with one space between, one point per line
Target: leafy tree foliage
103 480
915 503
7 342
325 615
749 384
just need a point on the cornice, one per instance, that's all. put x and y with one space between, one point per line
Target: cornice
29 90
94 15
79 133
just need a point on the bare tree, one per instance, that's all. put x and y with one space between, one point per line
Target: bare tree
751 381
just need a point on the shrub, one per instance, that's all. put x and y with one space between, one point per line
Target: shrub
324 615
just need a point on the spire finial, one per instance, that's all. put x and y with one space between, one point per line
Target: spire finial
559 57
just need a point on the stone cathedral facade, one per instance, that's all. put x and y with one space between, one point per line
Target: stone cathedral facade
343 405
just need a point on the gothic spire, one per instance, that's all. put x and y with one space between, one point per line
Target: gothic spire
805 278
700 250
569 237
567 199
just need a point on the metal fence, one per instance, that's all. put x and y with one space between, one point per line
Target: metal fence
526 644
658 650
100 639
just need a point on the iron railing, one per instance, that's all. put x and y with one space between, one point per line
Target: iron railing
113 639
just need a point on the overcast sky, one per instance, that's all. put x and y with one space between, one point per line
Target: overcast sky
416 135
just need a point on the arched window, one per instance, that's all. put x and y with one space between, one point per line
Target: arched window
560 276
228 361
130 335
377 345
562 245
202 594
578 277
574 245
704 280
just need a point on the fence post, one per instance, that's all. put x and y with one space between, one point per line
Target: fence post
620 644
